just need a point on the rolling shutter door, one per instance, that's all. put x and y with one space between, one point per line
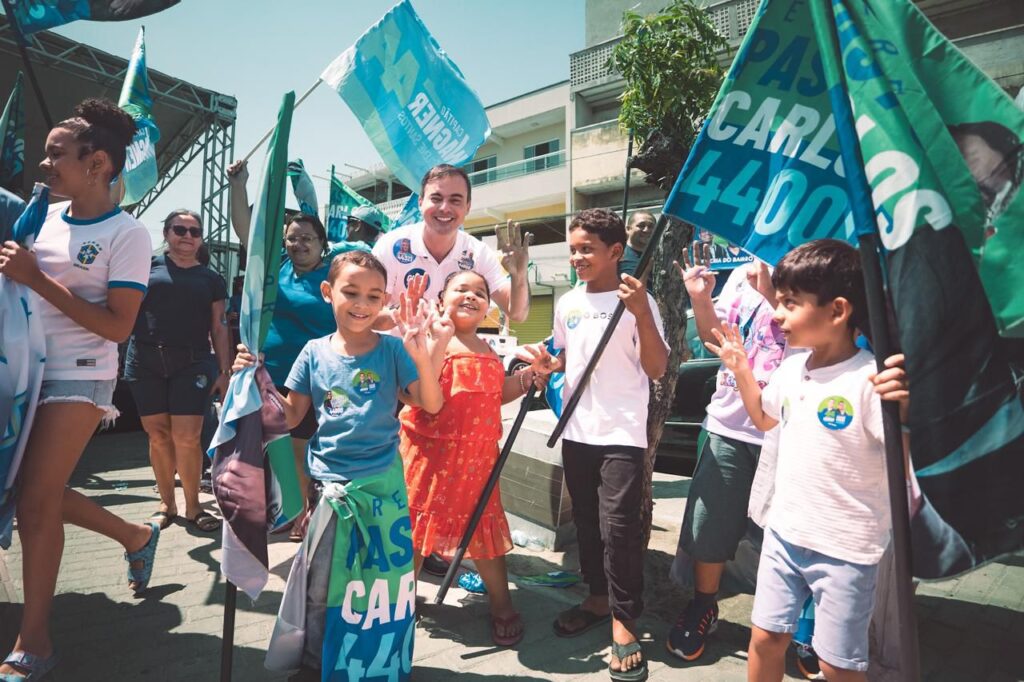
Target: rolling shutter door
537 326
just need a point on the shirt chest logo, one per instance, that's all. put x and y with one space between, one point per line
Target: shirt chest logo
366 382
835 413
466 262
88 252
335 401
403 251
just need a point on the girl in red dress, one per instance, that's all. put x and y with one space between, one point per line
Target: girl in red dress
448 456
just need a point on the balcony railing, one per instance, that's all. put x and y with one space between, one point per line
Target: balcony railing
518 168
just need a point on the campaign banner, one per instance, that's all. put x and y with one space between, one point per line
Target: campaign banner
12 140
720 254
31 16
838 119
140 171
409 96
410 212
343 200
302 188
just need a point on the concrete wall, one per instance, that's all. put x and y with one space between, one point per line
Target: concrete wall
604 17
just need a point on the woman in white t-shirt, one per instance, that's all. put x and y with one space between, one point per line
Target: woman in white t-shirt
89 268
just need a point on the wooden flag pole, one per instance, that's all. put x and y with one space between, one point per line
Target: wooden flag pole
270 132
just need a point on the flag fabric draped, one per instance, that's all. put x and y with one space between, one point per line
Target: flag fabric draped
409 96
12 140
302 187
844 118
22 356
410 212
32 16
343 199
250 418
140 171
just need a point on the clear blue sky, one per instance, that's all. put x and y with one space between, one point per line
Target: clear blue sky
256 51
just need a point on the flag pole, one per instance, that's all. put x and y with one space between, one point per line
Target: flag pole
29 71
227 646
485 496
641 270
629 163
270 132
872 258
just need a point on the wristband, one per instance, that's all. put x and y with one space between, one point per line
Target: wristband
522 382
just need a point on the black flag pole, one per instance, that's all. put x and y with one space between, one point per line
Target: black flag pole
481 504
629 164
227 646
20 40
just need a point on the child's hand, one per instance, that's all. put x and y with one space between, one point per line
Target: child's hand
730 348
413 324
415 289
243 359
760 279
541 361
442 329
633 294
697 277
892 384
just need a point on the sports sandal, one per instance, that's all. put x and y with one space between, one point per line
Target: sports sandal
34 667
162 519
589 619
205 522
506 624
622 651
138 576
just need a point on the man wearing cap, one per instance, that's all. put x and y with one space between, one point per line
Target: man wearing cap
365 224
419 257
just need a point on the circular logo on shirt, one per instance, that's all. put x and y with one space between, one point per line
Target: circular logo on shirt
366 382
573 317
417 271
835 413
88 252
466 262
335 401
403 251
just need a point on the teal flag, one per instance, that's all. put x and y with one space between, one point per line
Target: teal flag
248 419
410 212
12 140
140 172
31 16
844 118
302 187
343 200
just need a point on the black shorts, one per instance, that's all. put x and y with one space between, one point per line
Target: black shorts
166 380
307 427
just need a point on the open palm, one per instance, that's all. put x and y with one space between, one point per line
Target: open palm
729 348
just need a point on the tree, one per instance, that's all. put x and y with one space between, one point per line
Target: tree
670 61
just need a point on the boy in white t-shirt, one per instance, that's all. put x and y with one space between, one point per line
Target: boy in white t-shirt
605 440
829 521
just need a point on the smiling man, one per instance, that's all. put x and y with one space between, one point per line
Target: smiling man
436 247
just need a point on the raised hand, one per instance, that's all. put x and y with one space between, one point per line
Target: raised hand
238 172
541 361
697 276
416 288
442 329
633 295
413 326
513 244
730 348
760 278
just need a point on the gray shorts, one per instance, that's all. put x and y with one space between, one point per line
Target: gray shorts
843 592
98 392
716 507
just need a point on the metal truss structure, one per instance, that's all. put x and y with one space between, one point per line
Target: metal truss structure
193 121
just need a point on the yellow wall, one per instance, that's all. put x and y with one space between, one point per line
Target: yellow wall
485 224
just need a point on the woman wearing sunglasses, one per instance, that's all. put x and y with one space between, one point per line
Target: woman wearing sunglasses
169 367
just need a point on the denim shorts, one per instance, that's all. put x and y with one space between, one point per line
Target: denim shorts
98 392
843 592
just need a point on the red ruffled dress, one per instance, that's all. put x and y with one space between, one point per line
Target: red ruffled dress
449 456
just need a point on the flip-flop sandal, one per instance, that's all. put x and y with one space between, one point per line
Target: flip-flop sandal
510 640
140 575
162 519
635 674
205 522
590 621
34 667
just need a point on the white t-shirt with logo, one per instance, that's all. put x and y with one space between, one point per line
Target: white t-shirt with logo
404 255
831 491
613 408
89 257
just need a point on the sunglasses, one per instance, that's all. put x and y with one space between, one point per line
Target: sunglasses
182 230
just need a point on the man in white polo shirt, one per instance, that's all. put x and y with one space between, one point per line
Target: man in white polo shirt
436 247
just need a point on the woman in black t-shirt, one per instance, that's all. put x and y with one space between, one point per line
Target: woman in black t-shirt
169 366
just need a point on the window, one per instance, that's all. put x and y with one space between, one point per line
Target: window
478 166
547 150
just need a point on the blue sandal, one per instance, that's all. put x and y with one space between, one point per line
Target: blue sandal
140 576
34 667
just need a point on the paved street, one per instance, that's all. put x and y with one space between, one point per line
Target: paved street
971 628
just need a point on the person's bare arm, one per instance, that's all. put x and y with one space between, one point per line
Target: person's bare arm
238 196
734 358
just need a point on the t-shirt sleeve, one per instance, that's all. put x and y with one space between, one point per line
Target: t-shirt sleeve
300 378
871 408
489 267
219 288
771 395
407 372
11 207
131 255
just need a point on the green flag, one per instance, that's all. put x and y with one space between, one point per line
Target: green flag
12 140
140 171
343 200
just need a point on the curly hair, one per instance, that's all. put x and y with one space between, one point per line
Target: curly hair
607 225
101 125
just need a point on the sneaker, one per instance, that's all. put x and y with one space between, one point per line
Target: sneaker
436 565
807 662
686 638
